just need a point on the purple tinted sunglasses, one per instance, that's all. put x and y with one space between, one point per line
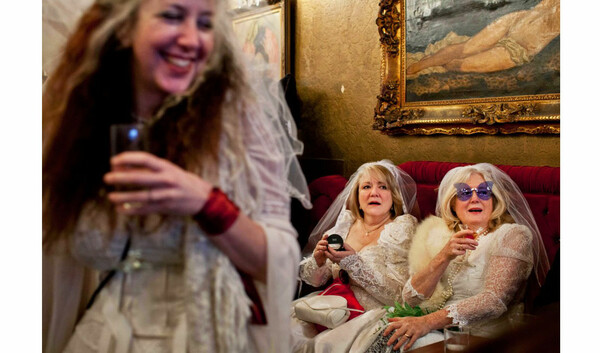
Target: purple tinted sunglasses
483 190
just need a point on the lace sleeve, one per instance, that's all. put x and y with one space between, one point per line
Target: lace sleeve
309 271
314 275
383 271
410 294
510 264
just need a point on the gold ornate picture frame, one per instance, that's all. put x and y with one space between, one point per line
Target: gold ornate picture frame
428 82
264 34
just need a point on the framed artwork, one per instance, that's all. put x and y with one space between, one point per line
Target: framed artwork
469 66
264 35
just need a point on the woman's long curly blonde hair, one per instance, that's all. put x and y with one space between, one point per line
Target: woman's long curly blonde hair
92 89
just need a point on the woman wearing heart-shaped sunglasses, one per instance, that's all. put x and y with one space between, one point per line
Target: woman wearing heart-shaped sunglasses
470 264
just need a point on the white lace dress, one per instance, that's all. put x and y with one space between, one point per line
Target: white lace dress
487 288
176 292
377 274
491 281
154 303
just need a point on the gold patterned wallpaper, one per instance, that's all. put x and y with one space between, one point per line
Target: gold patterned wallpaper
337 60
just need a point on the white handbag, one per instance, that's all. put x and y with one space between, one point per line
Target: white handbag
326 310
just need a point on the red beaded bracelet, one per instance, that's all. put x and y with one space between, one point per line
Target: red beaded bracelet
218 213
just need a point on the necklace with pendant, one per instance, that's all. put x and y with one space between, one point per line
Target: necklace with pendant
367 232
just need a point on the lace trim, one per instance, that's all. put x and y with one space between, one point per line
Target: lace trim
412 291
309 265
399 233
373 280
455 316
312 274
350 263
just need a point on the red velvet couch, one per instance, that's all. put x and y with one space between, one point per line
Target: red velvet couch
540 186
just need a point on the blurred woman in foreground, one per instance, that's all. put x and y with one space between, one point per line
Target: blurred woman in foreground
194 232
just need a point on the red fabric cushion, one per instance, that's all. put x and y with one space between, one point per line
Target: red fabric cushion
323 192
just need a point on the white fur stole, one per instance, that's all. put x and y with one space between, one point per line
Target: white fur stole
430 237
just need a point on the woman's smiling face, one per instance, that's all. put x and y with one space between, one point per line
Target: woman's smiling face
474 212
172 41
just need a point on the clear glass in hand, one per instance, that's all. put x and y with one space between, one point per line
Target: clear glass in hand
465 258
462 259
128 137
124 138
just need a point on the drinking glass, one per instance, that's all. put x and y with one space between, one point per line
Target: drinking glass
128 137
123 138
463 258
456 338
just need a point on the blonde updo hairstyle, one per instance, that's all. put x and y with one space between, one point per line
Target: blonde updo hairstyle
446 210
383 174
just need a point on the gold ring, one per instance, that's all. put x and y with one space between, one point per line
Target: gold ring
131 205
407 335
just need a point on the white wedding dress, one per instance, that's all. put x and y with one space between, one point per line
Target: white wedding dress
486 289
176 292
377 274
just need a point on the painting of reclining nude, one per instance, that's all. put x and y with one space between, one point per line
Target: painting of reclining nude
470 49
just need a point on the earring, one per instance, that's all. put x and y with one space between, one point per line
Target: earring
392 209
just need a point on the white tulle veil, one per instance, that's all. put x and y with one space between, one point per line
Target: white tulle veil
59 18
406 185
516 205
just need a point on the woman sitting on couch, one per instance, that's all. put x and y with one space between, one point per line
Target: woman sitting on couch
372 216
469 266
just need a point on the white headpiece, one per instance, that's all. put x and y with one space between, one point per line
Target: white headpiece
406 185
516 205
